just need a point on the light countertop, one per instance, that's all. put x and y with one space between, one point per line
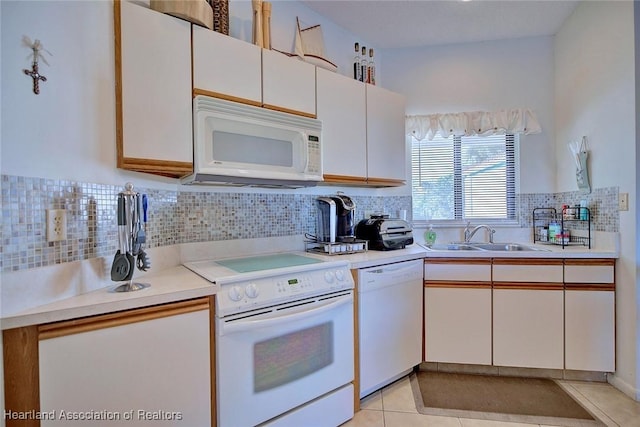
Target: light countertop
177 283
169 285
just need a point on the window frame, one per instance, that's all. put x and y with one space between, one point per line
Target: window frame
513 173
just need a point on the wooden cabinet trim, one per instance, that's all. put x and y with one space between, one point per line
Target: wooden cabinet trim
590 286
21 374
344 179
227 97
212 353
458 261
539 286
590 262
117 28
528 261
168 168
456 284
85 324
384 182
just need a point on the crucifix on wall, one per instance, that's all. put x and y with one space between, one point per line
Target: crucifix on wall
34 72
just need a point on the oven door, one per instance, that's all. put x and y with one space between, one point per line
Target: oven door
274 360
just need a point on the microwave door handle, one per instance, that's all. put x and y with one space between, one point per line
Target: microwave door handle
248 325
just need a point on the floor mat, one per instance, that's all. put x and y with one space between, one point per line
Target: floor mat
500 398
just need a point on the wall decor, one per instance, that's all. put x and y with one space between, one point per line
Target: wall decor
34 72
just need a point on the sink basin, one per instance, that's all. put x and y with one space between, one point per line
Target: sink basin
504 247
453 247
479 246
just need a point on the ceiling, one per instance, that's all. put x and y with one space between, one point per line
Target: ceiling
411 23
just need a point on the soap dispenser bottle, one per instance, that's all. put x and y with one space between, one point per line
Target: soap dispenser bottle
430 236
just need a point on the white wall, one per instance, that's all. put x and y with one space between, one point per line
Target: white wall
68 131
485 76
595 96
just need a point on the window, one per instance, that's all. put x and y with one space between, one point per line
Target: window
464 178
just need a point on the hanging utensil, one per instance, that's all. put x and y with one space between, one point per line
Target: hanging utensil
143 262
121 267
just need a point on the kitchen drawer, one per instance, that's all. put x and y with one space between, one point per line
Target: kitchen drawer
589 271
527 270
457 270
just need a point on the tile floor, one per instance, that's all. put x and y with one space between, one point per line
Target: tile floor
394 406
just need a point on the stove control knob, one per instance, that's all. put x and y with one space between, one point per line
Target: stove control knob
328 277
235 293
251 290
340 275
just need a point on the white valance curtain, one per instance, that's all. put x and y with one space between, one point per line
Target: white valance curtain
473 123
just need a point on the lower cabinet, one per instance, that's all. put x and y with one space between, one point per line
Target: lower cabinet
590 315
457 301
139 367
528 327
521 312
458 324
528 313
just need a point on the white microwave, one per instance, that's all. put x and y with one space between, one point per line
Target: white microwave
243 145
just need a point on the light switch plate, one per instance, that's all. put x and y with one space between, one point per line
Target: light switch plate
623 202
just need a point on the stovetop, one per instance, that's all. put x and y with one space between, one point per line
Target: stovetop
252 282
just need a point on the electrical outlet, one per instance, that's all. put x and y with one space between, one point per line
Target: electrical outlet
623 202
56 225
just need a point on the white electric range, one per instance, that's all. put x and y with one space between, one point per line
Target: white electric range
284 339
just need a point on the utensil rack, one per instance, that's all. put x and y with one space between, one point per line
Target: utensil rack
544 216
337 248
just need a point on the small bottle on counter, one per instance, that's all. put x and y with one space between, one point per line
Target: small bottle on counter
357 71
584 211
554 231
430 236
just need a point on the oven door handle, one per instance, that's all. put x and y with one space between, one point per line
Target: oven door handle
247 325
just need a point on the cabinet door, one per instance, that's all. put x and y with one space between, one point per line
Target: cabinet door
225 67
153 91
457 324
288 84
154 362
590 330
386 147
528 327
342 110
590 314
457 313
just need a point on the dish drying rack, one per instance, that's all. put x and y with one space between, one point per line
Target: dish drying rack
338 248
544 216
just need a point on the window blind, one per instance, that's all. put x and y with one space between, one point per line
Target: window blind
464 178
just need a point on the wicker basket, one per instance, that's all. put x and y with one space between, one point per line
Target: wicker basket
199 12
220 16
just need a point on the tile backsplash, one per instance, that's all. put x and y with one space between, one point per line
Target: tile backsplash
174 217
186 217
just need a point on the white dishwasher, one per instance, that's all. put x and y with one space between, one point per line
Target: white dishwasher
390 322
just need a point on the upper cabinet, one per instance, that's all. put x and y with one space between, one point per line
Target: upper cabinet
162 62
362 132
343 111
228 68
386 160
153 94
288 84
224 67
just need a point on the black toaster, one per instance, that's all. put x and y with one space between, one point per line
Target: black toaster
384 233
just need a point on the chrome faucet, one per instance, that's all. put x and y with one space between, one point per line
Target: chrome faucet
468 232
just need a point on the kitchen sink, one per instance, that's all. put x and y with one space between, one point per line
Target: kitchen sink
479 246
452 247
505 247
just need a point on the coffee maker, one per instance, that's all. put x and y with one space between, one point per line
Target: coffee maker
335 219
